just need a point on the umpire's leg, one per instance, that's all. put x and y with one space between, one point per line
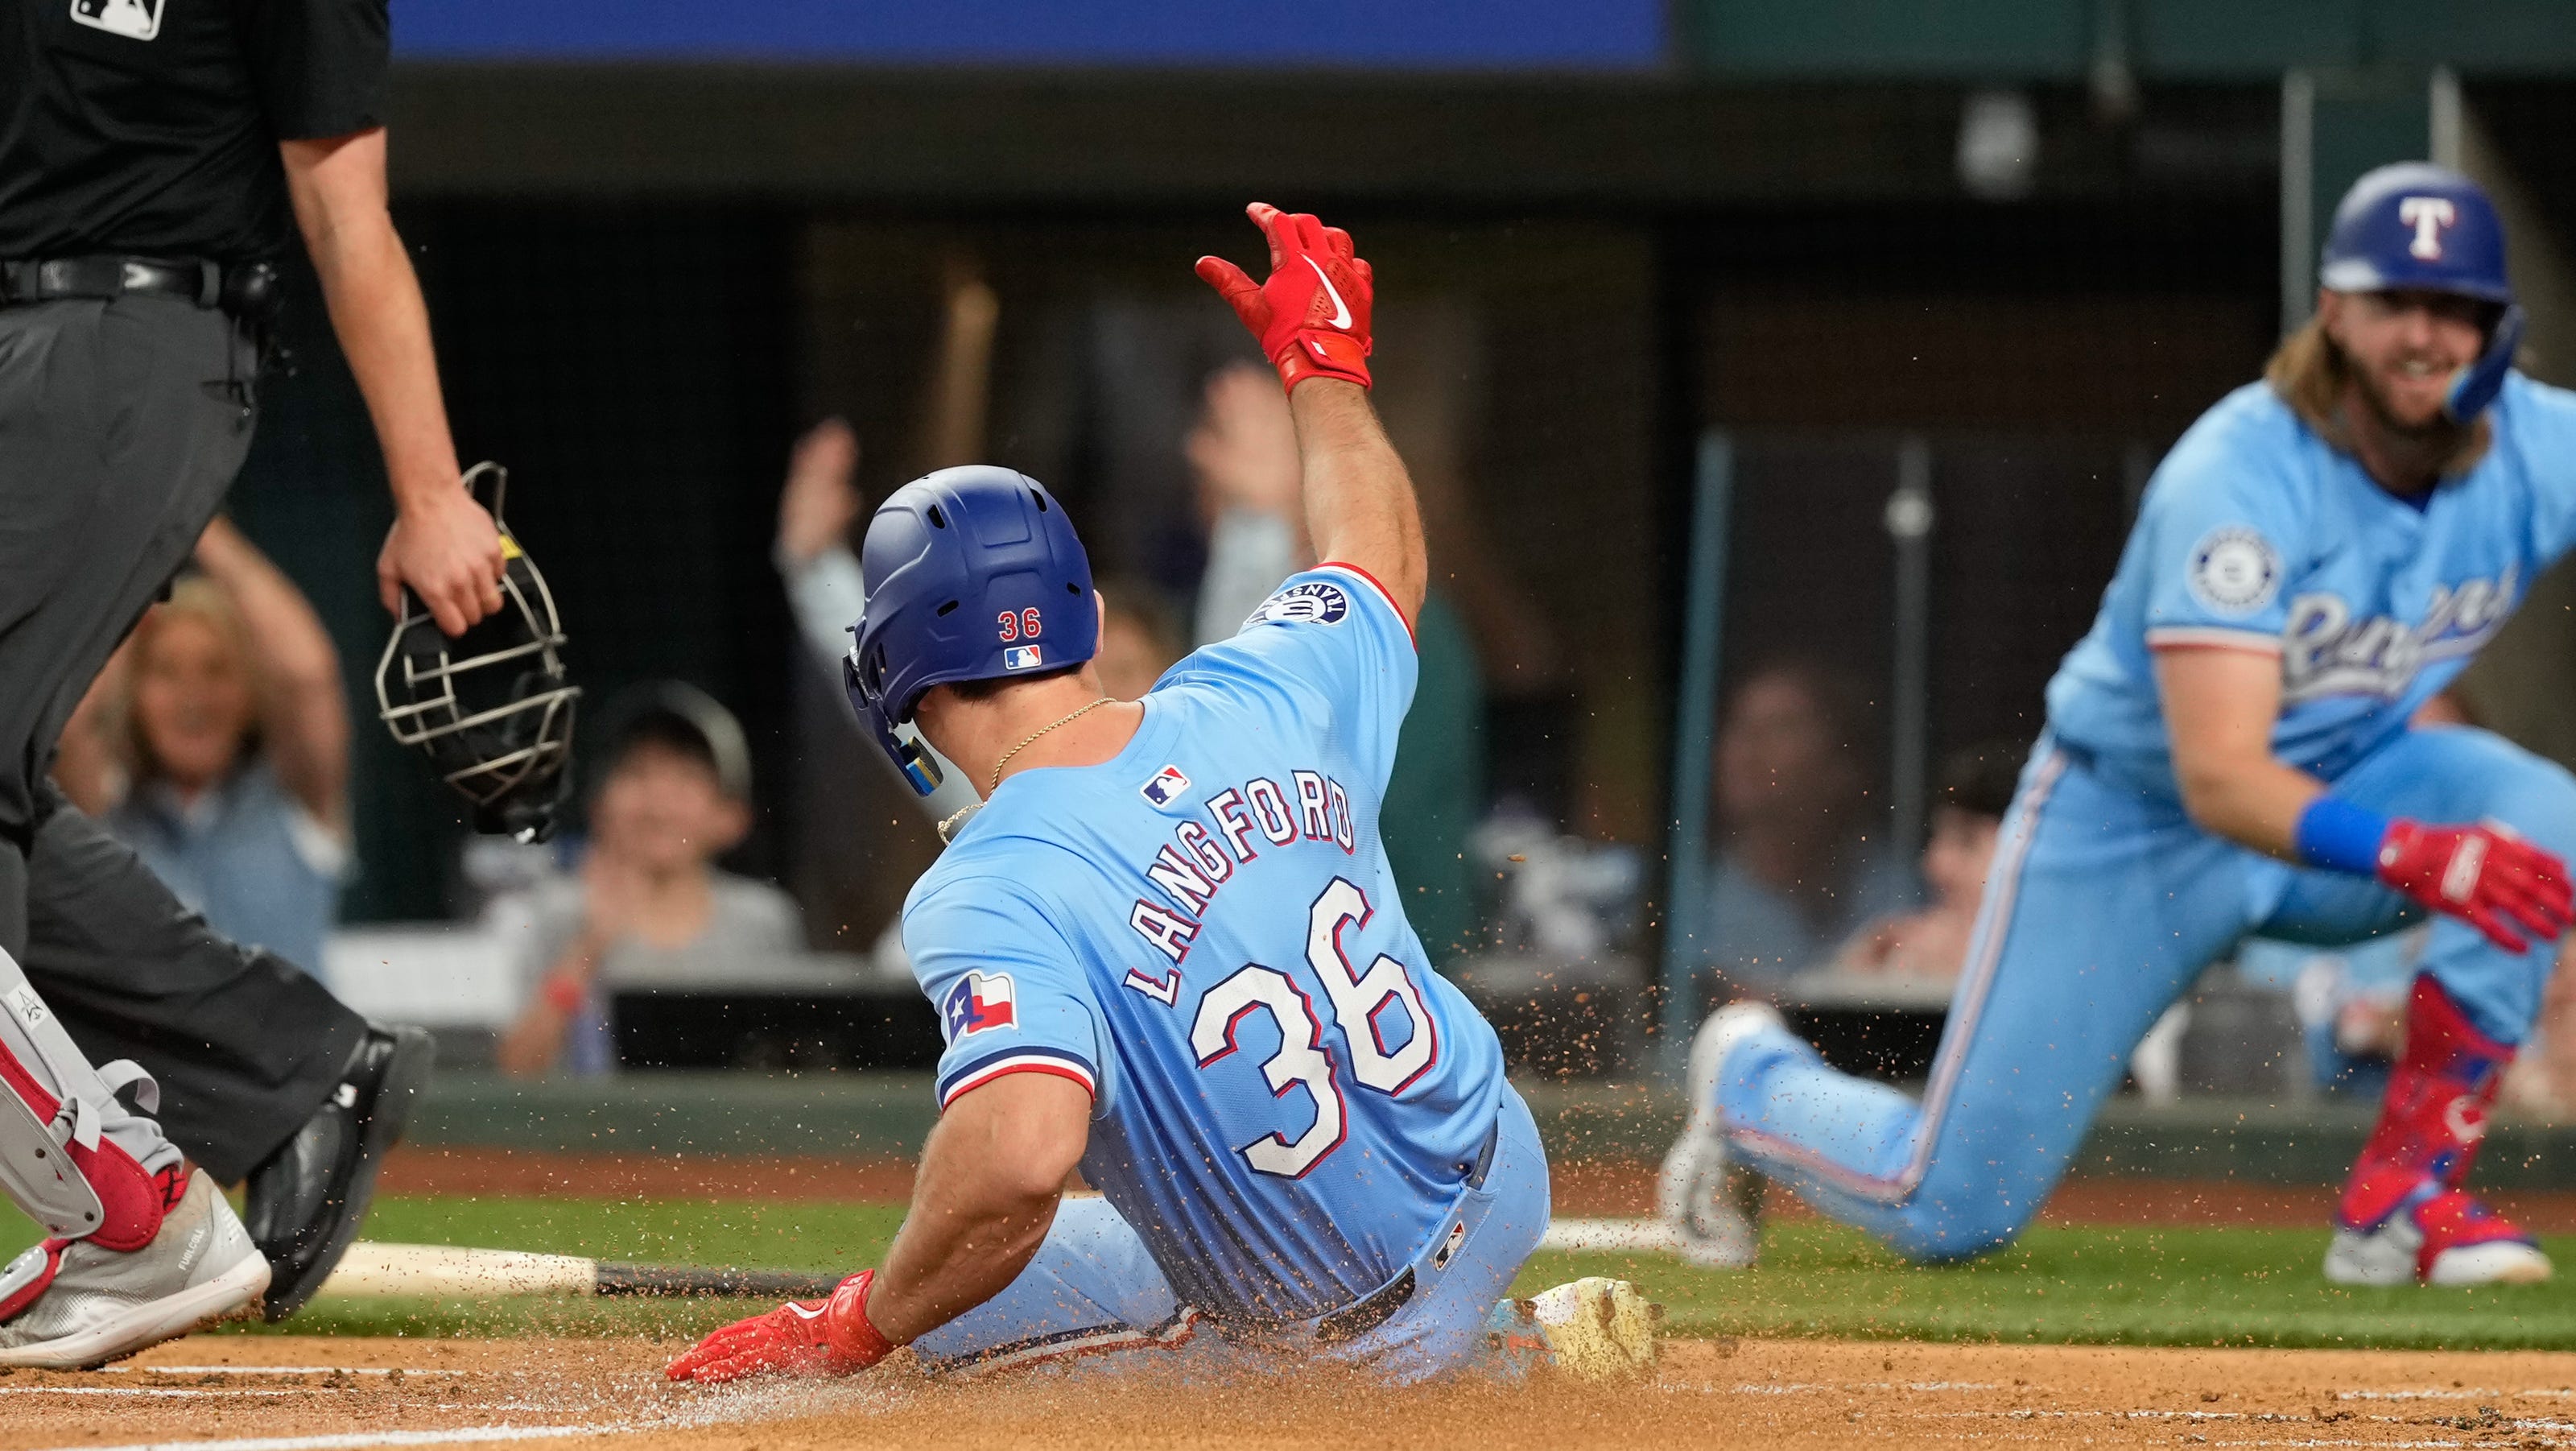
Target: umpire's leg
121 425
244 1046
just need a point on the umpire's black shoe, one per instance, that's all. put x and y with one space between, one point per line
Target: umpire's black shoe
306 1201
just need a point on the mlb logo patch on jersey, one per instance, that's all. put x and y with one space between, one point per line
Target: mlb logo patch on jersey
1166 787
1309 602
1022 657
133 19
980 1003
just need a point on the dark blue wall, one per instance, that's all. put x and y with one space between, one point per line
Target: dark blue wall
1425 34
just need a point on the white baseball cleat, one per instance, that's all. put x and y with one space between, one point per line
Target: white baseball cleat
72 1305
1596 1328
1713 1203
2448 1239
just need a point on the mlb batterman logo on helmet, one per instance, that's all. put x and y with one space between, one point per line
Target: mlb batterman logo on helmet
2419 227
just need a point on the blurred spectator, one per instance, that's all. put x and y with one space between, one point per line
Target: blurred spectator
1801 863
646 908
1139 637
1967 816
1251 489
216 744
1251 493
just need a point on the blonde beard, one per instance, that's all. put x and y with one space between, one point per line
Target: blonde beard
2310 372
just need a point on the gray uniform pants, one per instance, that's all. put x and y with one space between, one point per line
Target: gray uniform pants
121 426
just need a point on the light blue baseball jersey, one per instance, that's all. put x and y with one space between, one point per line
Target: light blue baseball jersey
2256 534
1204 933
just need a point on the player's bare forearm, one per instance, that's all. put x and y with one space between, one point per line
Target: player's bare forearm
2220 708
991 1175
338 187
1360 507
442 546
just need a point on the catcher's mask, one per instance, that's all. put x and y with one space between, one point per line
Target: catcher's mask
493 707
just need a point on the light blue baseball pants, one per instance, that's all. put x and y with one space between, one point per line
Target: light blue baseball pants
1093 1299
2103 905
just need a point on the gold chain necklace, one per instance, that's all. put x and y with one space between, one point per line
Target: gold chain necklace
1042 730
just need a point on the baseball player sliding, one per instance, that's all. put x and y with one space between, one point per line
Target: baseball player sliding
1168 949
2228 754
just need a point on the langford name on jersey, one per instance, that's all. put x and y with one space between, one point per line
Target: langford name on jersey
1189 872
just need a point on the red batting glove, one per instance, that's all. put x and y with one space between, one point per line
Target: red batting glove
2484 875
1312 316
802 1337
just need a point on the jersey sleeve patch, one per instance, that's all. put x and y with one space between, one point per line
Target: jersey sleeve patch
979 1003
966 1077
2234 570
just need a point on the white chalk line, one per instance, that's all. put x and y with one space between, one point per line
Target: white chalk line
271 1370
161 1391
352 1442
759 1401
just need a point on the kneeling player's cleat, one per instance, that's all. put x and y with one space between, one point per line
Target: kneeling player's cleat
71 1305
1592 1329
1713 1202
2445 1238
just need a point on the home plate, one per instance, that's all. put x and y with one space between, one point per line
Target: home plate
1609 1234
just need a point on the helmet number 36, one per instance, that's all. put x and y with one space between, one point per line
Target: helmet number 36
1021 624
1361 1002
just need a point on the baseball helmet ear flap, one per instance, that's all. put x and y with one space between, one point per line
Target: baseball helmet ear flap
493 707
2476 386
920 769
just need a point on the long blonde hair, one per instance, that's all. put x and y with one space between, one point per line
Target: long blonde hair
193 597
2311 373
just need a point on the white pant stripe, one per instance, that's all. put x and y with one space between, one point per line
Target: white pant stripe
1985 951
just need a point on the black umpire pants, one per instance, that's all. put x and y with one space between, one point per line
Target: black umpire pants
121 426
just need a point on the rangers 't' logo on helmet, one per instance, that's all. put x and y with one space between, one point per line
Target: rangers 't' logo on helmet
2428 215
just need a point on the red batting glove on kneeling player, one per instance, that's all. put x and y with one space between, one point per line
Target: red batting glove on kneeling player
1312 316
2484 875
802 1337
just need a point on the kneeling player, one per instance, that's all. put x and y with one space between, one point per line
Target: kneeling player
1168 949
2229 754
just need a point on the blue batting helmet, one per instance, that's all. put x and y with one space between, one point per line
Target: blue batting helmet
972 573
2416 226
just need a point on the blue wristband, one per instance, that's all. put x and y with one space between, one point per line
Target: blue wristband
2340 837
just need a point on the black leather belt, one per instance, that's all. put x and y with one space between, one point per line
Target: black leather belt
1368 1314
247 290
1378 1306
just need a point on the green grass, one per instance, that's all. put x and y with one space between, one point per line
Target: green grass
2127 1286
2111 1286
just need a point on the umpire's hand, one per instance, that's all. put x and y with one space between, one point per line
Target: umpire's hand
445 548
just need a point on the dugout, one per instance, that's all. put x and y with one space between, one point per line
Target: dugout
649 262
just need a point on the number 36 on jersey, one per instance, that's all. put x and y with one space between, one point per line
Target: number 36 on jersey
1364 1002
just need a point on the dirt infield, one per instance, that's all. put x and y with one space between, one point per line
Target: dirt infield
1584 1188
252 1392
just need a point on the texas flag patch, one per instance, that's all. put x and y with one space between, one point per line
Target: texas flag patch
979 1003
1166 787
